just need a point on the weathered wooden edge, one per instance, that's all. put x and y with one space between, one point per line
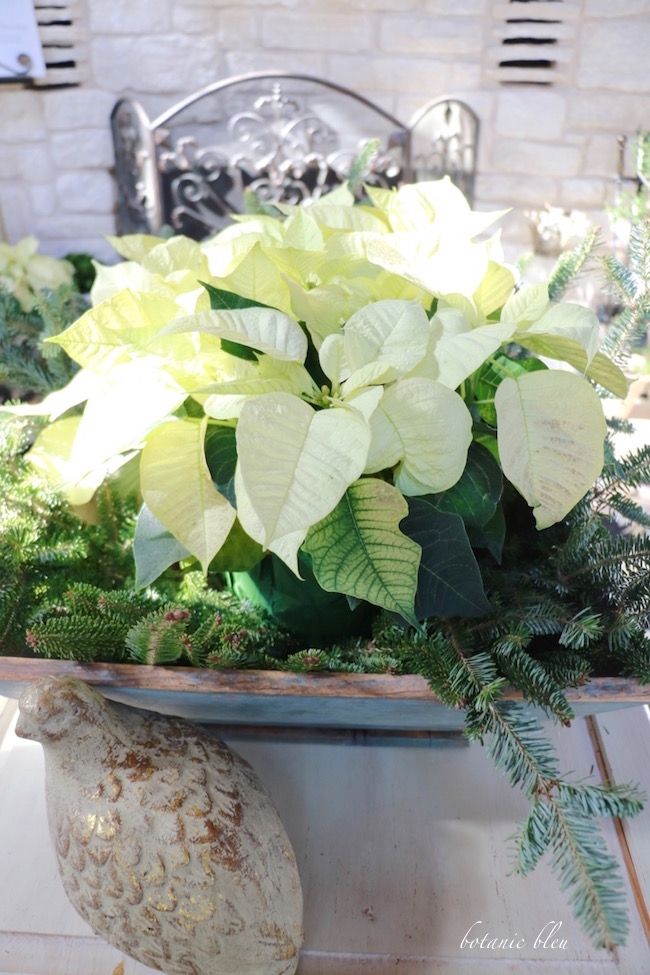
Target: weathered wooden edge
269 683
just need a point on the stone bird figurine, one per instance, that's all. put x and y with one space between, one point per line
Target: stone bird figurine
167 844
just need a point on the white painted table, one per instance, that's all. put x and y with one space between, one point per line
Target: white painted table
401 849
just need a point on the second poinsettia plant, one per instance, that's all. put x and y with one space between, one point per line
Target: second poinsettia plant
344 386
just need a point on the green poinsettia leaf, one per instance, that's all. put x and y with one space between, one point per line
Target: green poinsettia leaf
449 582
491 375
551 431
262 330
239 553
491 535
154 548
475 496
359 549
221 458
222 299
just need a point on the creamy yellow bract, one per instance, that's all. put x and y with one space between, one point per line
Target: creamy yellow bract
335 347
24 272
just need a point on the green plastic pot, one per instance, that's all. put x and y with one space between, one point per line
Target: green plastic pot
319 618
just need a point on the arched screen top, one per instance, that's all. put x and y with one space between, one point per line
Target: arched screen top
273 137
444 142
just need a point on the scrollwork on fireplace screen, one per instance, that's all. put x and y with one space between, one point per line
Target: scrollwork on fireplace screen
278 148
279 138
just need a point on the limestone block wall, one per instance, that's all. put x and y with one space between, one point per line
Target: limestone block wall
554 143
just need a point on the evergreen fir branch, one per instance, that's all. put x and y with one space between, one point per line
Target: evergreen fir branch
70 637
534 837
227 658
570 264
159 638
629 510
632 471
615 424
638 250
582 630
591 873
621 278
580 858
626 628
567 669
599 800
532 679
637 658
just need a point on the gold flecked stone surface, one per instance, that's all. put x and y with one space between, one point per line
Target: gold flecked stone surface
166 842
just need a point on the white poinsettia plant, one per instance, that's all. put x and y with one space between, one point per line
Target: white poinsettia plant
349 383
24 272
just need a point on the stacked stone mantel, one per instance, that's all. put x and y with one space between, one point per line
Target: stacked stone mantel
540 145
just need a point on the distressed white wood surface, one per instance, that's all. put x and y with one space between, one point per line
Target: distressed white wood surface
625 739
401 849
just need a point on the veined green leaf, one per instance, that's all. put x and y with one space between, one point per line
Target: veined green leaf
294 465
491 535
359 550
492 374
475 496
449 582
222 300
154 548
389 333
551 431
178 489
263 329
427 428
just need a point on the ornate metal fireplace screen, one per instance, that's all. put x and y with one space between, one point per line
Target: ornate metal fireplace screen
272 137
